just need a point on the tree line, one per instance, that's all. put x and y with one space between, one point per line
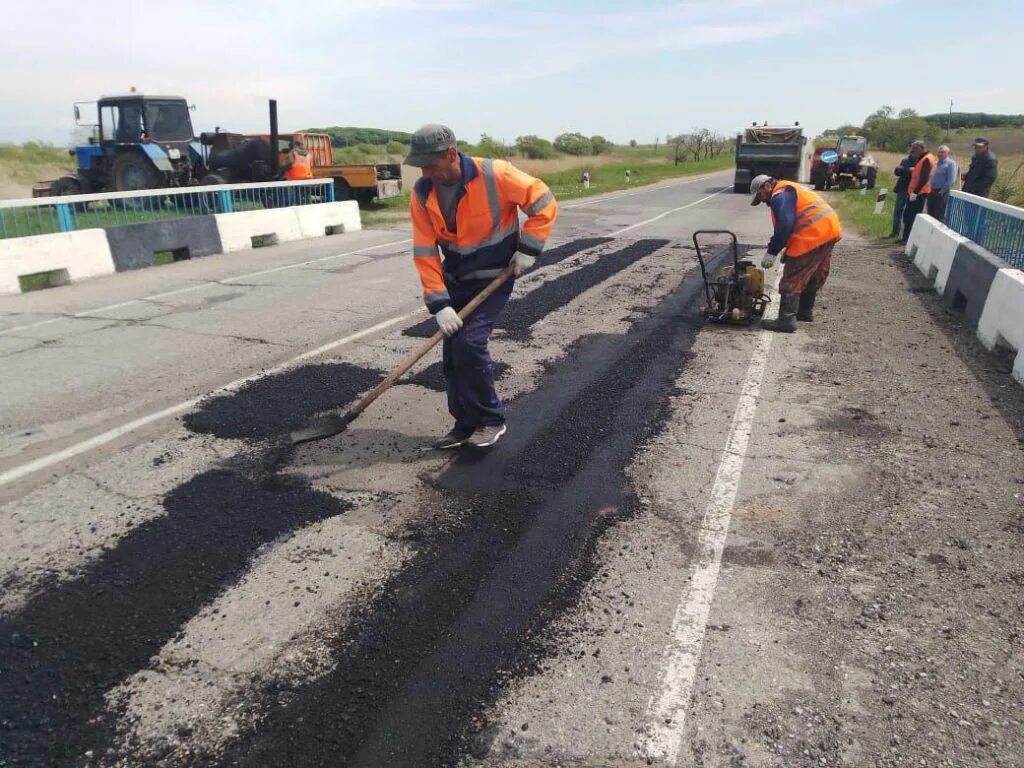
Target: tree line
887 129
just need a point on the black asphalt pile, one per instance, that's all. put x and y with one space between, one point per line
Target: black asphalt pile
73 641
273 406
551 296
432 377
443 638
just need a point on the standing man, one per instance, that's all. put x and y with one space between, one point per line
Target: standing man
808 229
981 175
943 178
920 185
467 209
299 164
902 172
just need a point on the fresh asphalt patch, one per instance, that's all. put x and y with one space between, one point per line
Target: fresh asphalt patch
432 377
274 405
441 638
75 640
520 313
438 644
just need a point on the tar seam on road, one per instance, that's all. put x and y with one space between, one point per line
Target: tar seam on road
44 462
157 296
667 714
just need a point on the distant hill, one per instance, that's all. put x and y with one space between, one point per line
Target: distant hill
975 120
348 136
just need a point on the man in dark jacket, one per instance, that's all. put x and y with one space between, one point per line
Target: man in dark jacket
902 172
983 171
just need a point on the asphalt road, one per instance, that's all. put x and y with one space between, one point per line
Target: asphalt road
696 546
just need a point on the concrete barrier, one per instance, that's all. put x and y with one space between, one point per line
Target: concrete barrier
328 218
249 228
77 255
1002 320
134 246
934 258
920 235
970 278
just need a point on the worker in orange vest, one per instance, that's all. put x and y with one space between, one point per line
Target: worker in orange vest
299 164
807 229
920 184
465 232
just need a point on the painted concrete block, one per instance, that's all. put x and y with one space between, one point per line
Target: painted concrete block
83 254
314 220
935 257
133 246
1002 320
970 278
924 227
237 230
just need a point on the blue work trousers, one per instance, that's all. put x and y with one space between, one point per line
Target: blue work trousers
897 213
468 371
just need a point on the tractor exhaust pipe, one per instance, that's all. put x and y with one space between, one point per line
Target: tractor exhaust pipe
274 163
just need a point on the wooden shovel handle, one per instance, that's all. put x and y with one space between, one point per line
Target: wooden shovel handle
417 354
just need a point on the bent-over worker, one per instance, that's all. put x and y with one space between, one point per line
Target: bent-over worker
467 209
299 164
808 229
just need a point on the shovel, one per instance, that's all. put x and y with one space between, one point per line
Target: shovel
334 424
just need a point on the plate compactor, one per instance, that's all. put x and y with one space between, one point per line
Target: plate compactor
735 294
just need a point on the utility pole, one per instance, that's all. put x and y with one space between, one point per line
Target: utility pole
949 120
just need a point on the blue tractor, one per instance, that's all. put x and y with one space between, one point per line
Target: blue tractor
137 142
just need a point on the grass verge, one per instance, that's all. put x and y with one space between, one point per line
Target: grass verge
857 211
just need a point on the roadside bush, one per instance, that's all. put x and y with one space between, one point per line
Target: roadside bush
574 144
535 148
396 148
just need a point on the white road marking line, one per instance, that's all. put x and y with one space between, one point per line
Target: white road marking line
85 446
667 715
588 201
208 284
666 213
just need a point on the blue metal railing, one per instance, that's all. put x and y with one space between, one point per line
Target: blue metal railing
44 215
997 227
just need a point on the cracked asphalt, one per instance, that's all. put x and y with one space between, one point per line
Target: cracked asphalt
193 591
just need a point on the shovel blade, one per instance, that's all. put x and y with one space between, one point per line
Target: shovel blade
318 429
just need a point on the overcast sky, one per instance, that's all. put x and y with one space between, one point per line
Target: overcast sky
512 67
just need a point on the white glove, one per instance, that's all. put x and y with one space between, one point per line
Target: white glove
768 260
522 262
448 321
913 198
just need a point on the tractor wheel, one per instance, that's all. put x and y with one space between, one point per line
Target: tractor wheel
66 185
844 183
365 197
132 172
342 191
209 202
872 177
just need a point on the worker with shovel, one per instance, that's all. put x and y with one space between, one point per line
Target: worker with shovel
466 209
808 229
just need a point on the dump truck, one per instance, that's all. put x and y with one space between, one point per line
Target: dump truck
147 142
777 150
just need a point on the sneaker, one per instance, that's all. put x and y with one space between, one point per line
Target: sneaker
453 439
487 436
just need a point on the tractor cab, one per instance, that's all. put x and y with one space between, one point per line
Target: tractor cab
852 148
137 142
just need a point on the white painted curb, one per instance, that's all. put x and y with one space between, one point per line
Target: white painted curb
315 219
283 225
936 247
1002 320
83 254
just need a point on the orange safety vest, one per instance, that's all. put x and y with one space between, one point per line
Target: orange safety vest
301 167
486 234
816 222
915 175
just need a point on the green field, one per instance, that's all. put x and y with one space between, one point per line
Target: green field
857 211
